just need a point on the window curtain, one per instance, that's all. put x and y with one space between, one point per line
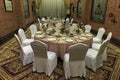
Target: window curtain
67 5
37 3
52 8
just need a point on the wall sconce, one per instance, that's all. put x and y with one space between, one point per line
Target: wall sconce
119 5
113 20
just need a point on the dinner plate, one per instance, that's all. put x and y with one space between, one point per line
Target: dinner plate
57 34
39 32
83 38
41 36
51 39
83 35
69 40
88 35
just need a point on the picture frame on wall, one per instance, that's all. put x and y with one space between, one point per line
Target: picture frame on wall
98 10
8 5
33 8
26 8
79 8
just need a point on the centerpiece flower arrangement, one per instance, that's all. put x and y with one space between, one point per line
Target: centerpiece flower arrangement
64 29
45 27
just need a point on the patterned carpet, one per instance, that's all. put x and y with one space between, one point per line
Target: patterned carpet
11 67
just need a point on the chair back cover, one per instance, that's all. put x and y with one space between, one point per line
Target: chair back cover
102 47
22 34
78 51
88 28
109 36
43 19
38 20
100 33
18 40
39 49
33 29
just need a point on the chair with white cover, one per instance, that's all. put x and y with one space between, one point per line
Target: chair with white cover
74 60
27 53
87 28
67 21
97 46
43 20
94 58
44 60
38 20
33 30
71 21
99 35
23 37
40 24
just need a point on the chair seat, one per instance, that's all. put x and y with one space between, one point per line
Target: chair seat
96 40
27 42
27 49
50 54
96 46
92 53
66 57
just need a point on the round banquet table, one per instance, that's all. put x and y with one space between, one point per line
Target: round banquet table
61 44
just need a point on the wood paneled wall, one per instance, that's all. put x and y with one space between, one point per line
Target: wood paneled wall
11 21
113 6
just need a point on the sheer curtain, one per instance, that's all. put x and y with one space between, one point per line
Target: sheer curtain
52 8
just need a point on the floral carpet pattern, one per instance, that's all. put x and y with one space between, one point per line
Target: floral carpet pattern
11 67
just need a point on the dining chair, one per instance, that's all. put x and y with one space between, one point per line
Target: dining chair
33 30
71 21
26 54
74 60
99 35
44 60
38 19
97 46
40 24
67 21
94 58
87 28
23 37
43 20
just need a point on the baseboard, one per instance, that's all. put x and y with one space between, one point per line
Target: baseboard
7 37
115 41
